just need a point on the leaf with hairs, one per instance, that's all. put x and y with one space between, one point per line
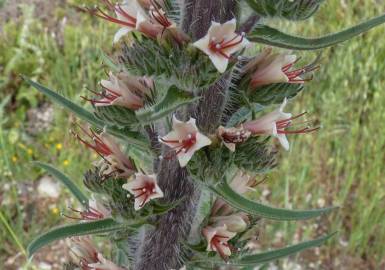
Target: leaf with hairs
280 253
243 114
86 228
271 36
239 202
116 116
172 100
275 93
79 195
291 10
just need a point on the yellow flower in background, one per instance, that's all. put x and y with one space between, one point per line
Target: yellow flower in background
66 162
59 146
30 151
14 159
55 211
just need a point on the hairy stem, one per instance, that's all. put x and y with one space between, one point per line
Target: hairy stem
161 248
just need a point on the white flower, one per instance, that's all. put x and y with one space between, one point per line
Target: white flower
276 124
273 123
185 139
217 238
124 90
82 249
98 206
242 182
116 162
103 264
127 14
231 136
267 68
113 162
144 188
221 42
270 68
237 222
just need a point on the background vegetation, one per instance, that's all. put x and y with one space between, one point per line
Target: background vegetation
342 164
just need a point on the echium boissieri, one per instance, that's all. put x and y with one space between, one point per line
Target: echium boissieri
183 126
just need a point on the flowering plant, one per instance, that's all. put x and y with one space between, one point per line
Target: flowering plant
184 125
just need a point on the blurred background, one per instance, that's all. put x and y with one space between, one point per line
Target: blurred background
342 164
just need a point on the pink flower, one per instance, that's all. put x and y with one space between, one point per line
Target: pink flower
82 250
103 264
114 162
221 42
217 239
242 182
232 136
144 188
237 222
125 16
84 253
123 90
276 68
185 139
276 124
96 210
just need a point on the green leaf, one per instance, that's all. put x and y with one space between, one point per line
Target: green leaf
292 10
86 228
270 36
134 138
109 62
242 115
279 253
116 116
249 260
172 100
239 202
65 181
186 67
275 93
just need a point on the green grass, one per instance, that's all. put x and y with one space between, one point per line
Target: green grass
342 164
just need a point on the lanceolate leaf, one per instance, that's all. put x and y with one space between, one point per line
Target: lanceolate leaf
292 10
270 36
116 115
173 99
86 228
237 201
66 181
275 93
280 253
255 259
131 137
243 114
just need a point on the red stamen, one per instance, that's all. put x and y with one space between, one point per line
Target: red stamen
88 214
157 14
294 76
220 47
282 125
98 12
183 145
